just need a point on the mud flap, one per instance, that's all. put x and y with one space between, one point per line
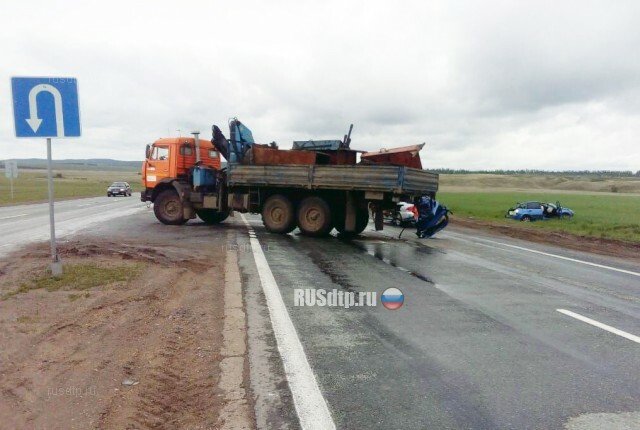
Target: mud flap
188 212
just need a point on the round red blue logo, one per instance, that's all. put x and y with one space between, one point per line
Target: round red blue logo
392 298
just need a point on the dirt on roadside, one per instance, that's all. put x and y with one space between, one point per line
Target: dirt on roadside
137 354
608 247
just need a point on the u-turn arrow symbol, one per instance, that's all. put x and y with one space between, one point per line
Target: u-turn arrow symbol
33 120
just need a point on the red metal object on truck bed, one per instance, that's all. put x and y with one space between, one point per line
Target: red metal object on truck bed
339 157
408 156
265 155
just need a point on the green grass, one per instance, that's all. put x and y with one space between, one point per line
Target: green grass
31 185
26 319
74 297
601 216
543 183
80 277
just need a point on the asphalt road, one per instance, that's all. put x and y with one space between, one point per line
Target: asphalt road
480 342
23 224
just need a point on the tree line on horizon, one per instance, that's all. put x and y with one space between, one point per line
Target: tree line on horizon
35 163
596 173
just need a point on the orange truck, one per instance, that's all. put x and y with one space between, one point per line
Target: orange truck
316 187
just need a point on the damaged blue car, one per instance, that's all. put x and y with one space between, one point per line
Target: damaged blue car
533 211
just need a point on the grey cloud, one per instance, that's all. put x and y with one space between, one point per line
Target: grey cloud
494 84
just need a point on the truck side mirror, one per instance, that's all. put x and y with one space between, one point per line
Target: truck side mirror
147 152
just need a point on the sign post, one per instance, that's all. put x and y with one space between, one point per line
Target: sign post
56 264
11 172
47 108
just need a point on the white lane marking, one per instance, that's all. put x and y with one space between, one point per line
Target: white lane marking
86 204
311 406
600 325
13 216
588 263
8 244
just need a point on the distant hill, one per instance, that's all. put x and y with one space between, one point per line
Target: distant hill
80 164
535 172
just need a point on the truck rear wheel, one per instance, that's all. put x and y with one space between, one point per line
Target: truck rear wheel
314 216
278 215
212 216
168 208
362 220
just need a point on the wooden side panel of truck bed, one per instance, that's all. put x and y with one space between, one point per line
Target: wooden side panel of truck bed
398 180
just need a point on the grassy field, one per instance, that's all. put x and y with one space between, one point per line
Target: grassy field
31 185
605 207
606 216
559 184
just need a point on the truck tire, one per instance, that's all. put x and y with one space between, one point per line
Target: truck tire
362 220
168 208
314 216
212 216
278 215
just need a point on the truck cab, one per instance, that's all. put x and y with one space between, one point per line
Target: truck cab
172 158
172 175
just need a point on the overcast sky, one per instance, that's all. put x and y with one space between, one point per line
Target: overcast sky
491 84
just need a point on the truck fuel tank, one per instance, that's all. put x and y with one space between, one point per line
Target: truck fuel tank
203 177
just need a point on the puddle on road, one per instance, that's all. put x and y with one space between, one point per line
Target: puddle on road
393 264
328 268
374 249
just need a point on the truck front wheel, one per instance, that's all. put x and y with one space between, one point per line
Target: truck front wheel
212 216
314 216
278 215
168 208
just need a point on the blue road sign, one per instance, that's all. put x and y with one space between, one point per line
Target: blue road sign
46 107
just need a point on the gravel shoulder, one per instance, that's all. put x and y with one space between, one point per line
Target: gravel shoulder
608 247
144 353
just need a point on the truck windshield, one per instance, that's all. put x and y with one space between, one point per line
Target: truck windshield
160 153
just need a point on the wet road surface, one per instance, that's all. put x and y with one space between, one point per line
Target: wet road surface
479 342
490 335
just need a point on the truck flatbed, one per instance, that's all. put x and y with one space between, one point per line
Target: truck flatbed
376 178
